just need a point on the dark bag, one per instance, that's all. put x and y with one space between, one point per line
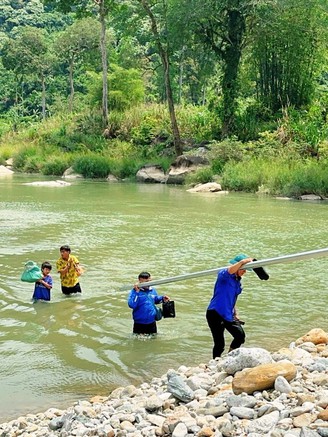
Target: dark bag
159 314
168 309
260 272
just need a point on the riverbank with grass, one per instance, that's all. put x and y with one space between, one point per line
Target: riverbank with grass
249 392
282 161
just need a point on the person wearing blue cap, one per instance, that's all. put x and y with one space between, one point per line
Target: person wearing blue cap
221 313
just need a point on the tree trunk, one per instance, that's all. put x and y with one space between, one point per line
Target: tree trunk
169 95
232 56
103 48
163 53
43 98
71 84
181 60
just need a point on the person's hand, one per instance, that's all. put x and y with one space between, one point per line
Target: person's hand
166 298
136 288
247 260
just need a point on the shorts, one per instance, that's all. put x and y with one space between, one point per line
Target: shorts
141 328
70 290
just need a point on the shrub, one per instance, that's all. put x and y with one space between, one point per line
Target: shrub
222 152
197 123
55 165
27 159
92 166
244 176
200 176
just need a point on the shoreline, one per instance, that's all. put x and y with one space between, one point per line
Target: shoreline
249 392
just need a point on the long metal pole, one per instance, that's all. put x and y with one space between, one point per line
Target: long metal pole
253 264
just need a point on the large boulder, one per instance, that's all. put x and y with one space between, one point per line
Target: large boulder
183 166
315 336
70 174
4 171
262 377
209 187
151 173
243 357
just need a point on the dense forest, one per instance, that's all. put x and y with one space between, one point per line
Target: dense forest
106 86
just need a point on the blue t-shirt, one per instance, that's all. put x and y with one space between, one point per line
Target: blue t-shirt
226 290
42 292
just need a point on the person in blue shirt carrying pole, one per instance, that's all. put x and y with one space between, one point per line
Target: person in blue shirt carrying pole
221 313
142 301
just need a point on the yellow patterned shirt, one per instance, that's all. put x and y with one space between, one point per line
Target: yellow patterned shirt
70 278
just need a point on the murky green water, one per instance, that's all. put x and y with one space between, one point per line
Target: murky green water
76 347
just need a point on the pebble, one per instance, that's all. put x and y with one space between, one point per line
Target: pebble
200 401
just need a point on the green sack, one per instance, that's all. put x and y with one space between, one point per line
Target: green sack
31 273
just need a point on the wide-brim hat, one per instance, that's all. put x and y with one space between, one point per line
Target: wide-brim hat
239 258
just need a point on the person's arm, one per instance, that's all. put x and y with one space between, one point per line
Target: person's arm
64 270
159 299
46 282
133 298
239 265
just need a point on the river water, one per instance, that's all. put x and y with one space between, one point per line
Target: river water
76 347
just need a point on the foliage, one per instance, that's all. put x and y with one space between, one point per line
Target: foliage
126 88
200 176
27 160
287 61
55 165
92 166
279 177
224 151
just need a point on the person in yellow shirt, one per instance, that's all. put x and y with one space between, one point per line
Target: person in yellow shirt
68 266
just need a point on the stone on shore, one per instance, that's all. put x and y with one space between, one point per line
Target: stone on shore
151 173
287 398
243 357
262 377
183 166
4 171
71 174
315 336
209 187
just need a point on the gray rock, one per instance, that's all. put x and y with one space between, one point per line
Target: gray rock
56 423
281 384
241 401
180 430
152 173
178 387
242 358
242 412
264 424
306 432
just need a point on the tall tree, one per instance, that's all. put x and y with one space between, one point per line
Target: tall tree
286 49
26 54
221 25
73 45
159 15
91 7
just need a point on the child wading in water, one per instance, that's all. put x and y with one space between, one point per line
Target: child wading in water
43 286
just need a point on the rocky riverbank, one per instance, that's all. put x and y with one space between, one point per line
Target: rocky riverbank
250 392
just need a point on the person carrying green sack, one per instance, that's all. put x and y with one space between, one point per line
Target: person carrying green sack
143 301
43 286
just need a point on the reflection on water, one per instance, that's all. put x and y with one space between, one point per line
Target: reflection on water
76 347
